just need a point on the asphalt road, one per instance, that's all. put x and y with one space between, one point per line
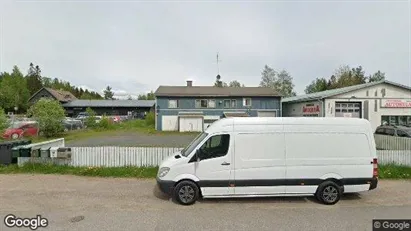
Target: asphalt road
85 203
132 139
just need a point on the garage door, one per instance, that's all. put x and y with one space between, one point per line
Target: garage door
190 124
169 123
266 114
348 109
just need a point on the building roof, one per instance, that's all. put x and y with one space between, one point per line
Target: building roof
60 95
110 103
184 91
334 92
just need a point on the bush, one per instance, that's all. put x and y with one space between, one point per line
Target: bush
3 120
105 123
150 119
90 121
48 114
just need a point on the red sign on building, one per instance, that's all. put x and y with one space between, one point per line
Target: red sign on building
396 103
314 109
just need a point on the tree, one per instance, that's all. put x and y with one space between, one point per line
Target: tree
108 94
284 84
235 83
148 96
14 91
129 97
377 76
281 82
49 115
34 82
317 85
90 121
3 121
268 77
344 76
218 82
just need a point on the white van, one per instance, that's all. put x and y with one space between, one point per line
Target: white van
262 156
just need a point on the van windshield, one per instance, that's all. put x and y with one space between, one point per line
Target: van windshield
187 150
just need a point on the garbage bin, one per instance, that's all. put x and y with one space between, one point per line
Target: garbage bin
15 153
53 152
64 153
45 152
5 153
35 152
25 151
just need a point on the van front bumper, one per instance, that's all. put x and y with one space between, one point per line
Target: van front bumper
374 183
165 186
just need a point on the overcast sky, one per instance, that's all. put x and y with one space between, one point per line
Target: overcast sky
135 46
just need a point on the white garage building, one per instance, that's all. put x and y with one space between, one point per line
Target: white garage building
376 101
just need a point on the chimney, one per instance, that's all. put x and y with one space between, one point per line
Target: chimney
189 83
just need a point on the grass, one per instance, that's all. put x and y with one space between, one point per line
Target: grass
385 171
392 171
138 126
32 168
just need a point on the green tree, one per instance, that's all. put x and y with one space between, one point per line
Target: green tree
108 93
268 77
377 76
280 82
49 115
235 83
219 83
148 96
150 119
3 121
34 82
317 85
90 121
14 91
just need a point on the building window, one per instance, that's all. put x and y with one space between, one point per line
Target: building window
233 103
172 103
247 102
211 103
226 103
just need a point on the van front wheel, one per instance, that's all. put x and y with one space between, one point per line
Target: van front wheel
186 193
328 193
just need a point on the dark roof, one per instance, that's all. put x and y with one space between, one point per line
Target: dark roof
60 95
214 91
110 103
338 91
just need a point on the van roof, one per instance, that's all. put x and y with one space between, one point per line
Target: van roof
217 125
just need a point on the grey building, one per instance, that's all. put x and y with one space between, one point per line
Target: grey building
193 108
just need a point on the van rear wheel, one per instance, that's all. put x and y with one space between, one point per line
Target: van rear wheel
328 193
186 192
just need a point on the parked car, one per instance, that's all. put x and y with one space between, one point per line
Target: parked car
393 130
259 157
72 124
82 115
21 129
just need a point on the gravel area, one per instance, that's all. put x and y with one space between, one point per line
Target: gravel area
91 204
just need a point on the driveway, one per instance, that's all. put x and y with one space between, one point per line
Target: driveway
85 203
134 139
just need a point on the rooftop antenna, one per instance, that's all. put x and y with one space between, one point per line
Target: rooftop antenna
218 66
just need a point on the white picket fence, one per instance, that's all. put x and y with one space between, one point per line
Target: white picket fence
152 156
384 142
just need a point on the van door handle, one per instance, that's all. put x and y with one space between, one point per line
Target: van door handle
225 163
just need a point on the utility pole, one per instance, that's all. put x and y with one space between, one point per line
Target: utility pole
218 66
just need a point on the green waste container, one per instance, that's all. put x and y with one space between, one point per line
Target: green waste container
25 151
45 152
35 152
5 153
15 153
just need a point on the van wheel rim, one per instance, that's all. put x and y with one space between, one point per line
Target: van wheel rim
330 194
186 194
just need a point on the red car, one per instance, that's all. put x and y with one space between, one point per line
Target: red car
20 130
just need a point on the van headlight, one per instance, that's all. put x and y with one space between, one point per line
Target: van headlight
163 171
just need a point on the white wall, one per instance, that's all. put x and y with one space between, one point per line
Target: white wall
374 98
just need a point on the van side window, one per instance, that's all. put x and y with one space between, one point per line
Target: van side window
215 146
